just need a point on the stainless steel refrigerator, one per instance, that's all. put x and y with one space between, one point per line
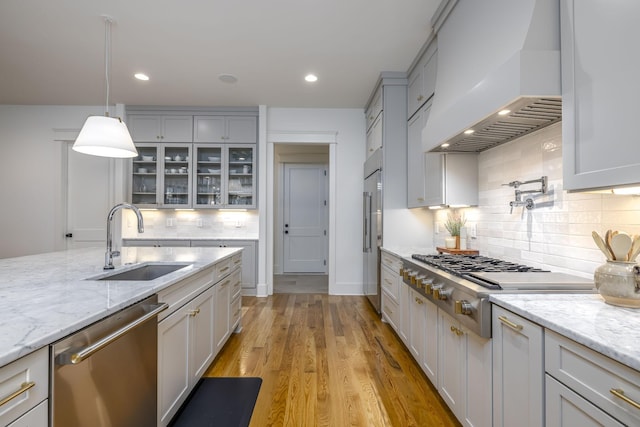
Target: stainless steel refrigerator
372 227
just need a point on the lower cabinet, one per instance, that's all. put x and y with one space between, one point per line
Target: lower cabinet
194 329
423 336
37 417
249 259
518 370
464 372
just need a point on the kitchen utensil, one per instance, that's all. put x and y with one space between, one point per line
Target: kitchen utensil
148 158
620 245
142 170
600 243
635 248
607 239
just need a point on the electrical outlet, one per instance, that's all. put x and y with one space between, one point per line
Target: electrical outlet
472 230
171 222
437 228
199 223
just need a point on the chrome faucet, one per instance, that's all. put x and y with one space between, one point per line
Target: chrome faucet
528 203
108 257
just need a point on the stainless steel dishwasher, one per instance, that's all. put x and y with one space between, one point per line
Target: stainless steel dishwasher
105 375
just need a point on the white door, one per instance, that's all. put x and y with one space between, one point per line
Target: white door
305 218
89 198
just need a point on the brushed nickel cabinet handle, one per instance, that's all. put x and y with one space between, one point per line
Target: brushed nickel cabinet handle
510 324
23 388
618 392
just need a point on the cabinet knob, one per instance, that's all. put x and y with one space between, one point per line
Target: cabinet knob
420 98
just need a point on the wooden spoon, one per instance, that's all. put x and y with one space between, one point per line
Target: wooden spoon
635 248
620 245
602 245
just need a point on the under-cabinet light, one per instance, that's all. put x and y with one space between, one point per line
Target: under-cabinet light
232 210
626 191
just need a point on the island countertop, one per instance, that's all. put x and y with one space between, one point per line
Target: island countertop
584 318
46 297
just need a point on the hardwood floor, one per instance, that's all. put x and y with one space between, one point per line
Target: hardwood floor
328 361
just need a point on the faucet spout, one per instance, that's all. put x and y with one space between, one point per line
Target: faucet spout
108 257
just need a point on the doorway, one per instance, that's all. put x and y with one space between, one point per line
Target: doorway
301 220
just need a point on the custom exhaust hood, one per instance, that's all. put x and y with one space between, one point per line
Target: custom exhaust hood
494 56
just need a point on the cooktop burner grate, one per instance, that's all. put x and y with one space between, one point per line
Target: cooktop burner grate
462 265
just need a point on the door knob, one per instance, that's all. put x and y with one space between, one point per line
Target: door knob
68 235
286 225
286 231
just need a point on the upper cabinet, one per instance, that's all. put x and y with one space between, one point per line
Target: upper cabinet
225 129
374 109
416 158
422 80
599 93
451 179
160 128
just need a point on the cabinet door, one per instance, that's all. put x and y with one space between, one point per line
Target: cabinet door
37 417
173 364
451 360
144 128
209 129
249 264
434 179
241 177
203 346
145 178
177 129
599 93
208 175
177 175
159 128
416 159
374 136
565 408
415 98
374 109
476 380
518 370
429 361
418 326
405 313
222 302
242 130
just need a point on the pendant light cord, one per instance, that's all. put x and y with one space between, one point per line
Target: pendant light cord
107 60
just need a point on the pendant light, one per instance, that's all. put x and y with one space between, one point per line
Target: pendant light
103 135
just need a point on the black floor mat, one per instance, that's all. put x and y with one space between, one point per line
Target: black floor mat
219 402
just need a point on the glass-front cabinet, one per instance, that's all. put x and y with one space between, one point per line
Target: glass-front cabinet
161 176
208 175
194 176
240 176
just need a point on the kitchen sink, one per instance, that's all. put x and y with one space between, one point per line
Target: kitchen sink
144 272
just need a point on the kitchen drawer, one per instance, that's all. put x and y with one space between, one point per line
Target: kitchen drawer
222 269
594 376
390 282
390 311
391 261
18 375
236 261
236 284
181 293
37 417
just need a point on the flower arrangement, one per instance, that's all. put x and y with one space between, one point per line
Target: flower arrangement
454 223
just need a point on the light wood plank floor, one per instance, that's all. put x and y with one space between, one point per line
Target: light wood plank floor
328 361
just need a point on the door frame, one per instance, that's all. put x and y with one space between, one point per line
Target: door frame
266 187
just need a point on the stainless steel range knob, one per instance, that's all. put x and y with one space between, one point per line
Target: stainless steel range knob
427 283
442 294
463 307
412 277
401 271
434 289
405 274
420 281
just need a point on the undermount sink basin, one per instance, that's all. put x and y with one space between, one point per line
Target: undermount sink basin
143 272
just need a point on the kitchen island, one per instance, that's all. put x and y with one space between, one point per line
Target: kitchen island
46 297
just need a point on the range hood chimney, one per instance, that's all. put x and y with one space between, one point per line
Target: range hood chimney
494 55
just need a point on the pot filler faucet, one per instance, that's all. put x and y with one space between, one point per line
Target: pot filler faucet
108 257
528 203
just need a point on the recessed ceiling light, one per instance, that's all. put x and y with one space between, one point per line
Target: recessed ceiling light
504 112
469 131
227 78
445 145
141 76
311 78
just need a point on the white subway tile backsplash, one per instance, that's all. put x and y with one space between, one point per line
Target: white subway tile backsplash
556 234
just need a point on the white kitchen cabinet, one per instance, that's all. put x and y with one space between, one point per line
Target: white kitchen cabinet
404 302
160 128
518 370
565 408
451 179
599 93
157 243
26 381
240 182
608 386
374 135
464 372
417 158
418 325
188 338
225 129
374 109
423 340
391 284
210 169
422 79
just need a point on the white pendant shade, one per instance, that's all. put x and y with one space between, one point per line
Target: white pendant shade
106 137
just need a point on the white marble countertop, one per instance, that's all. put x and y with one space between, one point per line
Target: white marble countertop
584 318
130 239
406 252
46 297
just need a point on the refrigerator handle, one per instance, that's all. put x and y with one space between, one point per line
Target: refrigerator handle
366 213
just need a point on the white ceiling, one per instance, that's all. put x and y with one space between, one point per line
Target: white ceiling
52 52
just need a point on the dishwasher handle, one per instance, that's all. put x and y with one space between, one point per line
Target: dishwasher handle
73 357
